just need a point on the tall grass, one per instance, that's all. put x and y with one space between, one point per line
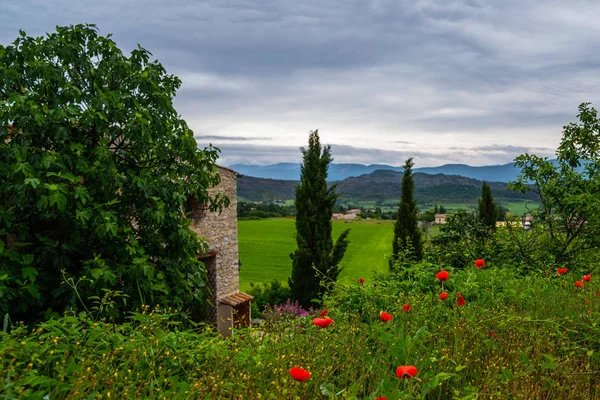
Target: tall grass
517 337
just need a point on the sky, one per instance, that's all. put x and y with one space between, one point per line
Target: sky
474 82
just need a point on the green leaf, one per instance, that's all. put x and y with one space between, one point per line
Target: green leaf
33 182
27 259
29 273
523 357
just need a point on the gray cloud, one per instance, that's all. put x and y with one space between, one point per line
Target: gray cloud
505 149
227 138
264 155
439 81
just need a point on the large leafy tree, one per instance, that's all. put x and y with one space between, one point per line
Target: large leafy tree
487 210
316 261
407 235
569 188
95 170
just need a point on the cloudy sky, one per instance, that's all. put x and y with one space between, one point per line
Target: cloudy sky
444 81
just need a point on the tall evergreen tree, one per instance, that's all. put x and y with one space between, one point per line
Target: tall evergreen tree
406 230
316 259
488 210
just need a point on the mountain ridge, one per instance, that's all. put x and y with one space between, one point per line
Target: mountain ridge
383 186
338 172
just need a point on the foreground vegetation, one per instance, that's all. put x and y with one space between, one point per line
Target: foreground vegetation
535 336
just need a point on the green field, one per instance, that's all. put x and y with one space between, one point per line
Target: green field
265 246
519 208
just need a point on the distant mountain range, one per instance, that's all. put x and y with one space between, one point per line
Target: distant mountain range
339 172
383 187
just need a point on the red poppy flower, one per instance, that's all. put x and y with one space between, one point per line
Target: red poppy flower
443 296
492 333
299 374
461 300
562 271
579 284
324 312
479 263
586 278
322 322
385 317
406 371
381 398
406 307
442 276
597 293
361 281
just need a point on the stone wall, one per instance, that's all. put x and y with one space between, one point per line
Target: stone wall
220 231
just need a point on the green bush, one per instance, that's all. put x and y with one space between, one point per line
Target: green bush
272 293
96 167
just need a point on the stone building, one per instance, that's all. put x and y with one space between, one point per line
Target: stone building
440 218
230 307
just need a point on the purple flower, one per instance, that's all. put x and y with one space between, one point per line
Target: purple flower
289 310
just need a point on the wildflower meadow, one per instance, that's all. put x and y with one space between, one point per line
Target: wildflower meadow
430 333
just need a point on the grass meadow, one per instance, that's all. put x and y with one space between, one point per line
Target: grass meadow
265 246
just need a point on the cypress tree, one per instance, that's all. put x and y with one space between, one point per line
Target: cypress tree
316 259
488 210
406 230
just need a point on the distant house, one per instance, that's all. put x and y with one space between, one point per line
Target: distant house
354 211
440 218
345 217
528 222
230 307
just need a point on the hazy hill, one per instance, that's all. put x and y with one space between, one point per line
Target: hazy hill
382 186
338 172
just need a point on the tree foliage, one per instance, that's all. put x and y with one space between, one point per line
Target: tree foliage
407 235
487 210
463 238
95 170
317 259
569 189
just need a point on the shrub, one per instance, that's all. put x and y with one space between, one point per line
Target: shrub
273 292
95 171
